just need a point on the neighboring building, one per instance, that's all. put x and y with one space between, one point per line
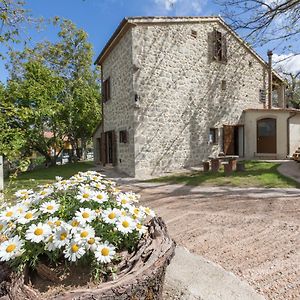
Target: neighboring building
179 89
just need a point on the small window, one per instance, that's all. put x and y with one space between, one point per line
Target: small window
223 85
213 135
194 33
123 136
219 46
262 95
106 90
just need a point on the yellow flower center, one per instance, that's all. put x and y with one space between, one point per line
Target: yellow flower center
43 193
84 234
28 216
10 248
85 215
123 201
50 207
136 211
125 224
38 231
100 197
74 223
98 211
112 215
85 195
20 210
57 223
147 210
139 226
91 241
9 214
105 251
63 236
1 226
75 248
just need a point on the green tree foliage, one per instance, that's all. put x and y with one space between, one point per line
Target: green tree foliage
57 83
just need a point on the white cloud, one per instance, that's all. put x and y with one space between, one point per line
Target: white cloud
288 63
179 7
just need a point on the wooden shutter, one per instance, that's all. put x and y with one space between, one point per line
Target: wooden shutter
224 48
228 139
103 148
108 88
214 45
114 149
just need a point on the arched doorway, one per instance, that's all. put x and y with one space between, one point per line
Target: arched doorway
266 135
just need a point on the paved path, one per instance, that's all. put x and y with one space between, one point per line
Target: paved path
290 169
252 233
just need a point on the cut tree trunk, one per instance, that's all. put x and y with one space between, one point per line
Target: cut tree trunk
140 276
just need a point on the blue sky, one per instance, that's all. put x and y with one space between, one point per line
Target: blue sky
99 18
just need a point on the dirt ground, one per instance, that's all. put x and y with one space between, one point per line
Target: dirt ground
253 233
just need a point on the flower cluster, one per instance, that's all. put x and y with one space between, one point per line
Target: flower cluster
84 216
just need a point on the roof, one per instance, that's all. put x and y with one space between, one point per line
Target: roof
129 22
292 110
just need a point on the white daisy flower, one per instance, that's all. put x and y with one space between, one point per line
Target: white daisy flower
124 200
74 224
45 192
58 178
111 216
49 207
62 237
98 185
50 245
100 197
84 233
11 248
27 216
125 225
10 213
92 243
23 194
85 215
105 252
85 195
74 251
55 222
147 211
140 228
21 208
38 233
137 213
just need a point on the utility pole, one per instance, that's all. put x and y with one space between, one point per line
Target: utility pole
270 53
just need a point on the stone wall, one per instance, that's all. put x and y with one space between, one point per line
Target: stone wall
180 95
119 110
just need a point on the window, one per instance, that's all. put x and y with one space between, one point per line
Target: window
123 136
106 90
213 135
262 95
194 33
223 85
219 46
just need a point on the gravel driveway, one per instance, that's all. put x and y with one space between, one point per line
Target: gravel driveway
252 232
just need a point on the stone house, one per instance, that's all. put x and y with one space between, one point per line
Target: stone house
179 89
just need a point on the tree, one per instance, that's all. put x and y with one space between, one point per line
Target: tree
264 21
36 97
293 90
70 59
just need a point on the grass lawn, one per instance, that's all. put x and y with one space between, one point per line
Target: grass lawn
47 175
257 174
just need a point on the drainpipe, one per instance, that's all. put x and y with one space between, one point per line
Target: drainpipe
288 131
270 53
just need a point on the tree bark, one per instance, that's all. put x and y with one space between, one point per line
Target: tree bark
140 276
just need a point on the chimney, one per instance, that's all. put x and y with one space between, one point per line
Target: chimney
270 53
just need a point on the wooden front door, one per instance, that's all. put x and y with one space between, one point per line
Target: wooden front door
109 148
228 139
266 135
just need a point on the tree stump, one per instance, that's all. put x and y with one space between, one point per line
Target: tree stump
140 276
